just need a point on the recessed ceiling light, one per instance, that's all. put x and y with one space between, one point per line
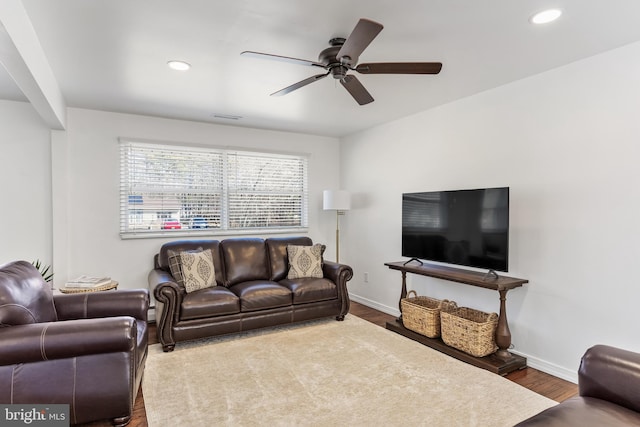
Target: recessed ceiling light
546 16
179 65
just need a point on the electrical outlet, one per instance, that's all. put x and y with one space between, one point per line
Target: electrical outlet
366 277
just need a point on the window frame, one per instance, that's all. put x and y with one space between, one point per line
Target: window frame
299 194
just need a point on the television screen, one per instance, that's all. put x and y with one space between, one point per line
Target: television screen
463 227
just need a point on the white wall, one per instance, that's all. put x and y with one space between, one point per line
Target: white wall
567 143
86 187
25 189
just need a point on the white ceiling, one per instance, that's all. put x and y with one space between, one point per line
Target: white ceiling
111 54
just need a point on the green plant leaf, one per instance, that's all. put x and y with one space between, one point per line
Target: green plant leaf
45 270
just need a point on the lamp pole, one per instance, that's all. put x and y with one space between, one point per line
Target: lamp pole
339 201
338 213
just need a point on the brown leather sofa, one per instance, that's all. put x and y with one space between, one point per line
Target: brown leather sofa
609 393
251 290
86 350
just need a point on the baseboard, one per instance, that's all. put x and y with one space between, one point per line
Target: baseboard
533 362
550 368
372 304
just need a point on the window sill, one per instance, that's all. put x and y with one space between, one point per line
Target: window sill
210 233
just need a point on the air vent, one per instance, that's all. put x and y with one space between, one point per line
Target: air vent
226 116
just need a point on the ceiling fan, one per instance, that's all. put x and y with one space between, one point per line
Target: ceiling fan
342 57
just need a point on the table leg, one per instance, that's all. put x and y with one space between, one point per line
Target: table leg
503 334
403 293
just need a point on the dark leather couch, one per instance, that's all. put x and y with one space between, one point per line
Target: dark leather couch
252 290
609 393
86 350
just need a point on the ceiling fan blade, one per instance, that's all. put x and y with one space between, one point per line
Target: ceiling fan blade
300 84
355 88
400 68
364 32
260 55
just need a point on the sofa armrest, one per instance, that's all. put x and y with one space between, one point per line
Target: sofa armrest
336 272
87 305
158 277
168 295
611 374
164 287
60 340
339 274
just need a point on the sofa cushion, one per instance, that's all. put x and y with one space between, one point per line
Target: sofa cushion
245 259
305 261
197 270
310 289
24 296
209 302
277 251
261 294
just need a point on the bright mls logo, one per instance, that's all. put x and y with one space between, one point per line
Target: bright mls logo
34 415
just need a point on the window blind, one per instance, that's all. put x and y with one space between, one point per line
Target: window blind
266 190
179 189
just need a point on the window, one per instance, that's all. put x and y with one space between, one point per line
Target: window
196 190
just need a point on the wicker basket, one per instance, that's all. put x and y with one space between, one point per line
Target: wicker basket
422 314
469 330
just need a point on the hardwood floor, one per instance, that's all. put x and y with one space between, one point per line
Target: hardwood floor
537 381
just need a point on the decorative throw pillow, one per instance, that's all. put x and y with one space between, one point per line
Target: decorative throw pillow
197 270
175 267
305 261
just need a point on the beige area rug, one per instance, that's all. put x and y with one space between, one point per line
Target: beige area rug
326 373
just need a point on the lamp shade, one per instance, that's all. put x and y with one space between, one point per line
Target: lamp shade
339 200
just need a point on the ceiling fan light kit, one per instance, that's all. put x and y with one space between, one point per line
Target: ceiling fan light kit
342 56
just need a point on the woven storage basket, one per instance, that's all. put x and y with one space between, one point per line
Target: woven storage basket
469 330
422 314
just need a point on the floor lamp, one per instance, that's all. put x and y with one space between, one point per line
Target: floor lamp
339 201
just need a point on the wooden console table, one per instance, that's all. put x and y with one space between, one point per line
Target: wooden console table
502 361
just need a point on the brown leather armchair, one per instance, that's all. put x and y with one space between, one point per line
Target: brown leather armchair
86 350
609 393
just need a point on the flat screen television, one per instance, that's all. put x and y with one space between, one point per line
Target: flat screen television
462 227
